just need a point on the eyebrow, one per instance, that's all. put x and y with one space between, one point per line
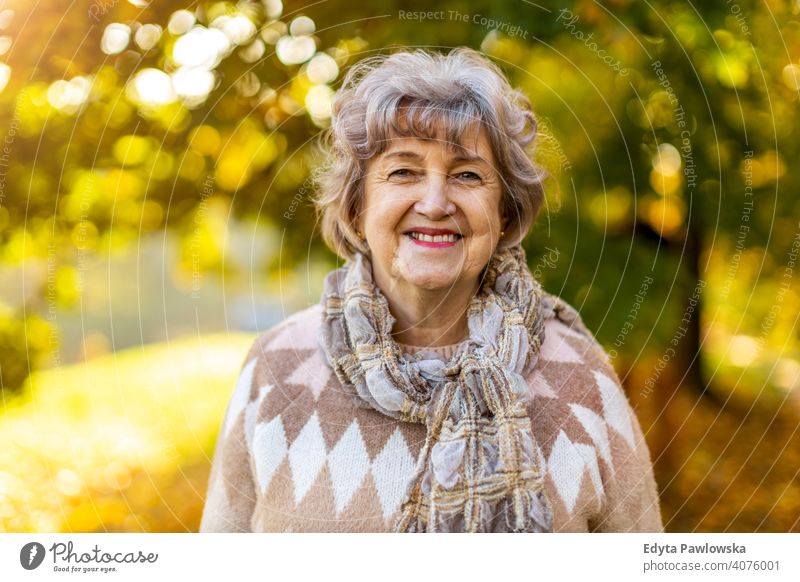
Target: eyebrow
468 158
403 154
415 156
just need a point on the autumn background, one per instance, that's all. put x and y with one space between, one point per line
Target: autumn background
155 217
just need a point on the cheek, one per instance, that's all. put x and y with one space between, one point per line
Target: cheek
381 222
485 223
484 216
485 200
383 213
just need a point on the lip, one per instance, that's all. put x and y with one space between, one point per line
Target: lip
433 232
430 231
433 245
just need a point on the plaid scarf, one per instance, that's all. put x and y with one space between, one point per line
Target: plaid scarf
480 469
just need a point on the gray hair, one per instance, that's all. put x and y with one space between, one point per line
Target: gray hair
434 94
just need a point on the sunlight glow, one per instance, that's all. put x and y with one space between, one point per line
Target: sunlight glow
5 75
152 87
201 47
115 39
239 29
743 350
181 22
322 69
293 50
69 96
147 36
193 84
318 101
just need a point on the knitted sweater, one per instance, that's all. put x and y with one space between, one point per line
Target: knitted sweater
295 454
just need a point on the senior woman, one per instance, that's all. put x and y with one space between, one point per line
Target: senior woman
436 387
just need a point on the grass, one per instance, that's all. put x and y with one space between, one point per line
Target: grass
119 443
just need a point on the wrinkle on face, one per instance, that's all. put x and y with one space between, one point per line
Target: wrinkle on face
435 186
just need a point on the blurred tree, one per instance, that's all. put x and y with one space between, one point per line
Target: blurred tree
667 129
127 118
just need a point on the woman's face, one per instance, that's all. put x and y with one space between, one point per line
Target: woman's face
431 213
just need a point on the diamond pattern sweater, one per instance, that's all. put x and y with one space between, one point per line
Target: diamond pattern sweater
295 454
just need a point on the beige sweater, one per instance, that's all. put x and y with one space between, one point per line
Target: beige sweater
294 454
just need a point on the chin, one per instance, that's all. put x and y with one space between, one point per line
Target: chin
433 280
424 273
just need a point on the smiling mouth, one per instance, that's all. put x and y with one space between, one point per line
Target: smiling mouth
437 238
434 241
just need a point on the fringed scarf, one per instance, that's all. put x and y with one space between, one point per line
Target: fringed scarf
480 469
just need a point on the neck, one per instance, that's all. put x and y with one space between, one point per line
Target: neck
429 317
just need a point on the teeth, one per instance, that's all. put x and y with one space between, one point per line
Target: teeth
435 239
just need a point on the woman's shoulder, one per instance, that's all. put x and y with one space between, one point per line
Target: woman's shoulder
586 426
577 388
296 333
288 350
563 321
573 367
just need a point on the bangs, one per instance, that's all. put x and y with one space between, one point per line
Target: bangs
449 122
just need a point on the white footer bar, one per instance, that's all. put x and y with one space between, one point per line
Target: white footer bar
401 557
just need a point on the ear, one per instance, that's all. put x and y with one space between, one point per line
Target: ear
358 227
503 212
355 221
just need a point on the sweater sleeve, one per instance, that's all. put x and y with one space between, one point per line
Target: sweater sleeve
632 502
231 495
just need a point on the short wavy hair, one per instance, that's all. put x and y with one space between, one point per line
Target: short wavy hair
425 94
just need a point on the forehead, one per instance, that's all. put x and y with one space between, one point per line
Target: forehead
474 143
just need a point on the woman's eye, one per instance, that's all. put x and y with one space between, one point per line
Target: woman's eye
468 176
401 173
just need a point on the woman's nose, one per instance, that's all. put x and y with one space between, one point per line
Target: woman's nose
434 200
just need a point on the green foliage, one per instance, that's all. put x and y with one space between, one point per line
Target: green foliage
667 129
25 344
652 123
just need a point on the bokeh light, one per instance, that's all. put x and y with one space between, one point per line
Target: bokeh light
152 87
157 189
201 47
69 96
181 22
147 36
116 37
293 50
